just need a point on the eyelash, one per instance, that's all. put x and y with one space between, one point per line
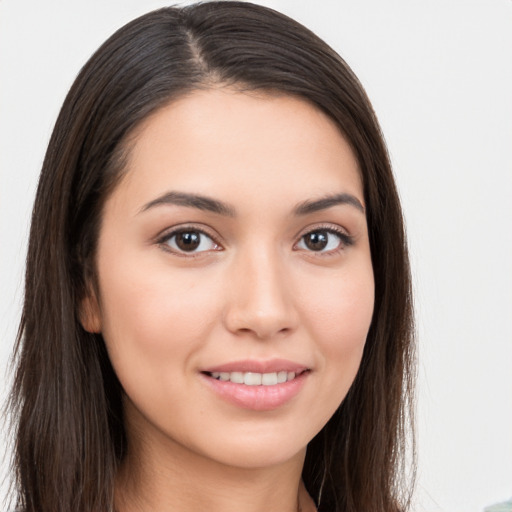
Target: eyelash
163 241
345 240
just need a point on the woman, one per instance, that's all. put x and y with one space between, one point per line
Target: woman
217 311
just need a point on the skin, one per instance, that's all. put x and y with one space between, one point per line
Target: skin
254 290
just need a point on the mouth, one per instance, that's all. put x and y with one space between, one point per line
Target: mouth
255 378
259 386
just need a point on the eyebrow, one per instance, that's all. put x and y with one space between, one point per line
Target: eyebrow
324 203
209 204
192 201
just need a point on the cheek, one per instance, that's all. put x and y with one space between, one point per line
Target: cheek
344 305
154 324
336 311
338 317
153 314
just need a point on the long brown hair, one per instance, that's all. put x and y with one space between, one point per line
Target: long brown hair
66 399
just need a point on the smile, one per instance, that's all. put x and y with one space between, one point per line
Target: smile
276 383
253 378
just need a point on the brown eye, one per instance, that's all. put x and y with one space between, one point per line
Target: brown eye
324 241
190 241
317 240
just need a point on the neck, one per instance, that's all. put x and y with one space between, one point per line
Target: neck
160 477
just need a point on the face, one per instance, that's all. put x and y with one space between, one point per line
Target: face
235 281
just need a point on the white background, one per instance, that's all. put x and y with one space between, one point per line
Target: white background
439 73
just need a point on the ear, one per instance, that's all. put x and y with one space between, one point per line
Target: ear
89 313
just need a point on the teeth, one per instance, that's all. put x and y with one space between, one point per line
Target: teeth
254 379
269 379
236 377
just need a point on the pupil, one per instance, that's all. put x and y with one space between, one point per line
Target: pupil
316 241
188 241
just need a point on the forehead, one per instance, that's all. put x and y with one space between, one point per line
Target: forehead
245 145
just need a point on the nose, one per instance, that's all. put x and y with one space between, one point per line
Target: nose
260 299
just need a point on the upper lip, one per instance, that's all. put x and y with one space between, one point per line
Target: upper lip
257 366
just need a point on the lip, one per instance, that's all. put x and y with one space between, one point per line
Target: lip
256 366
257 398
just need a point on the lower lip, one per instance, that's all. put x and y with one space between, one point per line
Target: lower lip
257 398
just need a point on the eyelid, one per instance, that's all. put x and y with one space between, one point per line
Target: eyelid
168 233
346 239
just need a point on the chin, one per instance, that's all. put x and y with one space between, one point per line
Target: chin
257 445
255 455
